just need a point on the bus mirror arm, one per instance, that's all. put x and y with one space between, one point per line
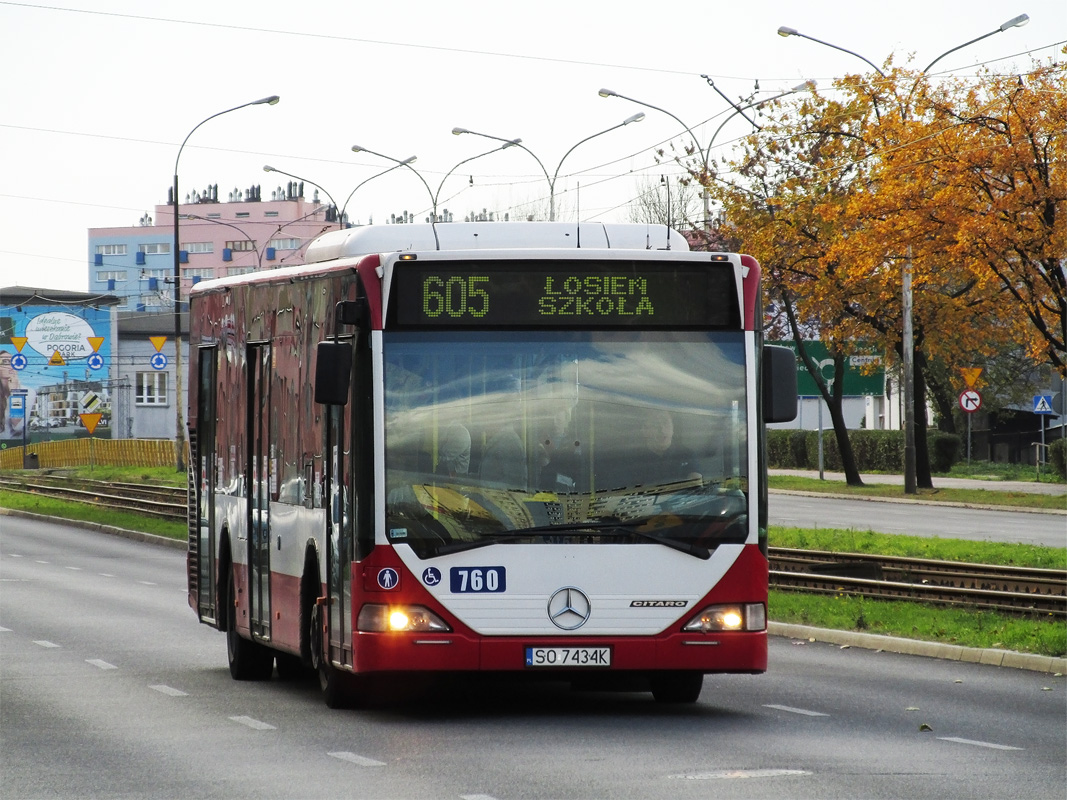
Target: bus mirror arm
333 373
352 312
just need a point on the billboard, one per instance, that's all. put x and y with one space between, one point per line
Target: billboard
864 369
53 361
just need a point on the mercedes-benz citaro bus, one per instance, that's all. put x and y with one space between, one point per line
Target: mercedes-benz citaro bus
485 447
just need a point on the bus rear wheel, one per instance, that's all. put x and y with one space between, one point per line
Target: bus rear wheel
249 661
677 687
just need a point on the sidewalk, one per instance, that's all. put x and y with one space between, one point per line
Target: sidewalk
947 483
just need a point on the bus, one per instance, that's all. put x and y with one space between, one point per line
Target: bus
529 448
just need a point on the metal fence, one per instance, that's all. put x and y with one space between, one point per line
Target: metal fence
80 452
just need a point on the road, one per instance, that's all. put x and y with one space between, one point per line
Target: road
109 688
917 519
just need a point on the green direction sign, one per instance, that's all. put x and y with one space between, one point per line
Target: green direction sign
864 369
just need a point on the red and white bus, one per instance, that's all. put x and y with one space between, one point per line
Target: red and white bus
507 447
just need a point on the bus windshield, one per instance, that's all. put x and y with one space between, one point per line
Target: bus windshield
565 437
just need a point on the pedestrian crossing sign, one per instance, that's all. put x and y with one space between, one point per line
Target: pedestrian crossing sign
1043 404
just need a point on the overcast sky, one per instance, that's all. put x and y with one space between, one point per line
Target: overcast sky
98 95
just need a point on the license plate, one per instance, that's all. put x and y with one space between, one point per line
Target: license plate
568 657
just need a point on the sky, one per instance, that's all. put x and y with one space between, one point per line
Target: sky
97 97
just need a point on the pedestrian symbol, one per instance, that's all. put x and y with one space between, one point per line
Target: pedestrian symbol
1043 404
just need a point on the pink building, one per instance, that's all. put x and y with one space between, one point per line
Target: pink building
242 232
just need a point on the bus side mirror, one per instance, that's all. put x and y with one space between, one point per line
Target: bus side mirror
333 373
779 384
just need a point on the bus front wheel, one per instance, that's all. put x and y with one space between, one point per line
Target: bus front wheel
677 687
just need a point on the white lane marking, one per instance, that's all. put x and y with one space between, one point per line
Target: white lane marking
96 662
148 583
14 555
5 630
792 710
75 569
254 724
35 561
45 643
352 758
977 744
105 575
476 797
168 690
729 774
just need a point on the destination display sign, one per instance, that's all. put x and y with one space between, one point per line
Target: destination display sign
565 294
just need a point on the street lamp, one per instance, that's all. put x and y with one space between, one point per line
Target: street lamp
552 180
269 168
441 185
407 162
247 238
907 334
179 444
704 156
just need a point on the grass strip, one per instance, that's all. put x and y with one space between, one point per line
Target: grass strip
1045 636
836 540
976 497
86 512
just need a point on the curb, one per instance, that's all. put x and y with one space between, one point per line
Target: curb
916 647
867 641
111 530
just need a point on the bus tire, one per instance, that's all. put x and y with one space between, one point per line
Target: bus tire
249 661
677 687
333 683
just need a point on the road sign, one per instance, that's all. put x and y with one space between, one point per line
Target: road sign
970 401
95 361
159 361
971 376
90 421
1043 404
18 361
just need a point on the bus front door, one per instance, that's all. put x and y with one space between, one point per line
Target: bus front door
339 537
262 479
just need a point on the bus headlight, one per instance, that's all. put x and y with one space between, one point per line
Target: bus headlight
740 617
376 618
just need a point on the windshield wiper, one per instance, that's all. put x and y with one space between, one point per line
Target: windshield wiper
616 526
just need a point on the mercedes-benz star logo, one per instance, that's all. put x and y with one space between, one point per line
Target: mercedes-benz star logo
569 608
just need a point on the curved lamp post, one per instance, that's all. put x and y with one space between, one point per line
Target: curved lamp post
700 151
552 180
247 238
269 168
178 399
407 162
441 185
908 333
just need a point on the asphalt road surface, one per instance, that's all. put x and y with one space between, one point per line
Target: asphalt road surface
109 688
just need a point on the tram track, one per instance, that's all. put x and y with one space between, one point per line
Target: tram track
165 502
1015 590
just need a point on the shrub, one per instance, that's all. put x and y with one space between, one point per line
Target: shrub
944 450
1057 457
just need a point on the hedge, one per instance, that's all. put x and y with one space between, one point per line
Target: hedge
875 451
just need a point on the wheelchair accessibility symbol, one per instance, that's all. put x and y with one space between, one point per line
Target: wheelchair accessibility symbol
432 576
